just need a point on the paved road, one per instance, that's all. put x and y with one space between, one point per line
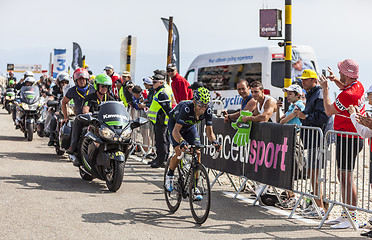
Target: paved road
43 197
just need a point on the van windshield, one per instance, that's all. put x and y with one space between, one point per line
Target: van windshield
225 77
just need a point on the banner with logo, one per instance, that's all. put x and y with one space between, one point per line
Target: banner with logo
59 62
77 56
175 44
21 68
267 156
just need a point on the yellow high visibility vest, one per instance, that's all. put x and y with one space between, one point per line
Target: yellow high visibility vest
122 97
156 107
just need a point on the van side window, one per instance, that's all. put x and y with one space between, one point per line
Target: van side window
277 74
190 76
225 77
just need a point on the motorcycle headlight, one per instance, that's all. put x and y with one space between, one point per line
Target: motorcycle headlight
107 133
126 134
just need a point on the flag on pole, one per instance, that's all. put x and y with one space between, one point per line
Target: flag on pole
59 63
175 43
77 57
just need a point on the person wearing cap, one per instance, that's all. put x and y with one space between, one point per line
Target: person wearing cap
294 93
248 102
298 66
179 84
158 114
313 116
346 148
109 69
147 82
159 75
124 92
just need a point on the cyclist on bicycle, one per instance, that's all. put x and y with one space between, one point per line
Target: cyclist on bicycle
181 125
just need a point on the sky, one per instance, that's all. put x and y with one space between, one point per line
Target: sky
336 29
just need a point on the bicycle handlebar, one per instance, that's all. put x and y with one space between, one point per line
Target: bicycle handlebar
197 147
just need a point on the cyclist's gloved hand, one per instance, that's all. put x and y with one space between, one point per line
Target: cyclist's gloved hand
184 145
241 137
217 144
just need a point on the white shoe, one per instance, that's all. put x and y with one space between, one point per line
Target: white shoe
314 213
344 224
335 221
169 183
197 194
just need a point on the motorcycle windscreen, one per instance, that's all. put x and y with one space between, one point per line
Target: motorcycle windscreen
29 94
113 114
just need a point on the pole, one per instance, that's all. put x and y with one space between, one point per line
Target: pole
50 65
288 48
170 43
83 62
129 52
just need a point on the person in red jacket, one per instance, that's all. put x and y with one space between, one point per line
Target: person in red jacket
179 84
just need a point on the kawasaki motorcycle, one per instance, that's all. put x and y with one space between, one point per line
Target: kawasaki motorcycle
103 150
28 106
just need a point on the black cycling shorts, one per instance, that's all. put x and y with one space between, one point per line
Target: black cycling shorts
191 134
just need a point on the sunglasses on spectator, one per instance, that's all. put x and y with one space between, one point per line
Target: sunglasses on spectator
170 70
64 82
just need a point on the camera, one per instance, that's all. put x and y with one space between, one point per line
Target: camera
324 72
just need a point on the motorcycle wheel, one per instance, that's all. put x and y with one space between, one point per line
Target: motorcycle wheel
30 132
85 176
114 175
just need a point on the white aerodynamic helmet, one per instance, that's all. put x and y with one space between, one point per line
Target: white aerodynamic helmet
29 74
30 80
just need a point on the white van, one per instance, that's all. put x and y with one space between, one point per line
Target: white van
220 71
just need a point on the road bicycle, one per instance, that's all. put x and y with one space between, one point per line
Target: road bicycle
190 181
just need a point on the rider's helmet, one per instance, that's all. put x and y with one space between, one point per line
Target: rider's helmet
29 74
102 79
202 95
30 80
81 72
63 77
295 56
11 73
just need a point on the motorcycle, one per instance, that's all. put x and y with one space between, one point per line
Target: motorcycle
9 99
41 125
28 113
103 150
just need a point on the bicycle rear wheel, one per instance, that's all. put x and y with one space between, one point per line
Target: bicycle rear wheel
173 199
200 194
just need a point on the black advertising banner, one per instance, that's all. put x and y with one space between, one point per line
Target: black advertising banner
267 159
271 154
175 44
77 57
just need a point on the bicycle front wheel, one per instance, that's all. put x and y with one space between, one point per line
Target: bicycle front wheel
200 194
173 199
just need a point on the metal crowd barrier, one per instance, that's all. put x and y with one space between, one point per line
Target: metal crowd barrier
143 137
337 190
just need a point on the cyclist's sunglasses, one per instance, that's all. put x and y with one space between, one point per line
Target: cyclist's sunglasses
202 105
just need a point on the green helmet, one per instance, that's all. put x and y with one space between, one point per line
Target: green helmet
102 79
202 95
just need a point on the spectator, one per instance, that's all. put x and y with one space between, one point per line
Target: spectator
114 77
248 102
298 66
196 85
314 116
147 82
137 97
266 108
346 148
160 75
124 92
179 84
294 93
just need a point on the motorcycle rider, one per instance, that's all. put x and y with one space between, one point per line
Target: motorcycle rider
78 93
57 92
28 81
103 84
11 78
22 81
